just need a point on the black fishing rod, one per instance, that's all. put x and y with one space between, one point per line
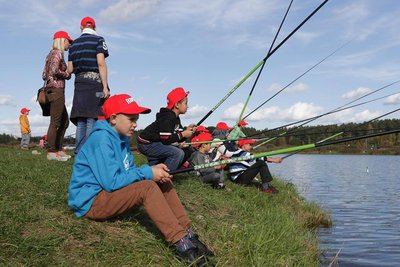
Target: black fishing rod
260 63
281 151
342 132
265 61
289 84
294 129
283 126
341 108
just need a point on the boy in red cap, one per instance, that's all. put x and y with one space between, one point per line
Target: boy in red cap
213 175
235 134
25 128
244 172
105 181
163 140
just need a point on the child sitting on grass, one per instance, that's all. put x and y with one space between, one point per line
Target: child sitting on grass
163 140
244 172
105 181
213 175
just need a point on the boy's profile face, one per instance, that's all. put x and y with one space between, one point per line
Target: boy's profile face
182 106
246 147
205 147
124 124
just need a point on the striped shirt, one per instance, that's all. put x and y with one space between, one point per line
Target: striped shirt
83 52
236 169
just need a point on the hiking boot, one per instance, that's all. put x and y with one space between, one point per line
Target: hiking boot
64 154
203 249
56 156
192 256
270 190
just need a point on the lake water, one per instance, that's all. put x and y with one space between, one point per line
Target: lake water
363 195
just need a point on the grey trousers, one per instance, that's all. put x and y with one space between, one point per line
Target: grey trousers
25 138
214 177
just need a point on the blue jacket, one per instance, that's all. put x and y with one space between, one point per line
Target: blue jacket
105 163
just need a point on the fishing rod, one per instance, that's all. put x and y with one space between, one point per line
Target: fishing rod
259 64
304 123
336 109
265 61
304 73
283 126
340 133
281 151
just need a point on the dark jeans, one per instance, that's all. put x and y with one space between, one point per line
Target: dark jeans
58 121
248 175
157 152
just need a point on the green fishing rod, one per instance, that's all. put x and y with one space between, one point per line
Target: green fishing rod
283 126
281 151
342 132
298 77
313 119
336 109
259 64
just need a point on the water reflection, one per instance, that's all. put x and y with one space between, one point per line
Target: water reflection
363 195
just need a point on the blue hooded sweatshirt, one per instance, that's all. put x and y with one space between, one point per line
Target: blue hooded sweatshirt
105 163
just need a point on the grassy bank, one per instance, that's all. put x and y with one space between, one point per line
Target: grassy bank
243 226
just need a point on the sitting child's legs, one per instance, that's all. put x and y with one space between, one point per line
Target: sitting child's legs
107 205
173 155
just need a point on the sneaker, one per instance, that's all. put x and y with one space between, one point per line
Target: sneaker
219 186
270 190
203 249
64 154
56 156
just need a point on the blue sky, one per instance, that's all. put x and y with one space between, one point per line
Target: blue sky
207 47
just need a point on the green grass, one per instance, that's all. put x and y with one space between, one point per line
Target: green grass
242 226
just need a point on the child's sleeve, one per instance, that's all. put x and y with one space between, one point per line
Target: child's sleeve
167 132
109 172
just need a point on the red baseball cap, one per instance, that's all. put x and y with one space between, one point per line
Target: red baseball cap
222 126
202 129
202 137
122 104
242 123
242 142
88 21
175 96
62 34
24 110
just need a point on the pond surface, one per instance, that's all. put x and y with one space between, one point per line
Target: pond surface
363 195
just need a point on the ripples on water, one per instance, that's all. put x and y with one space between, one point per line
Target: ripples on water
363 195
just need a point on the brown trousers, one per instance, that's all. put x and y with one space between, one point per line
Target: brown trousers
58 119
160 202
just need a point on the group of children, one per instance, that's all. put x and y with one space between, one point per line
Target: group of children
105 181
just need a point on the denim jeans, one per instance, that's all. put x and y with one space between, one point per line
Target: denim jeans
157 152
84 127
25 138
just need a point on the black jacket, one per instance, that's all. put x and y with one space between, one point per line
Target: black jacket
167 129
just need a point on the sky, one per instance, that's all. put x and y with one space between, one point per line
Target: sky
208 46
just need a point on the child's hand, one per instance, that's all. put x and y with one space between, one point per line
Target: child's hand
188 132
183 145
161 173
274 160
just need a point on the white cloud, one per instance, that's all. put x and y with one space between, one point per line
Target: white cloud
356 93
195 112
365 115
298 111
299 87
128 10
393 100
6 100
306 37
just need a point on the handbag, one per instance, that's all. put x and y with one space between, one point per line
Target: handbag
41 95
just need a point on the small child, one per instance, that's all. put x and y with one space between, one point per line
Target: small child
235 134
244 172
25 128
105 181
163 140
213 175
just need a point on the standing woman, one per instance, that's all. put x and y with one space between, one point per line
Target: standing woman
55 73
